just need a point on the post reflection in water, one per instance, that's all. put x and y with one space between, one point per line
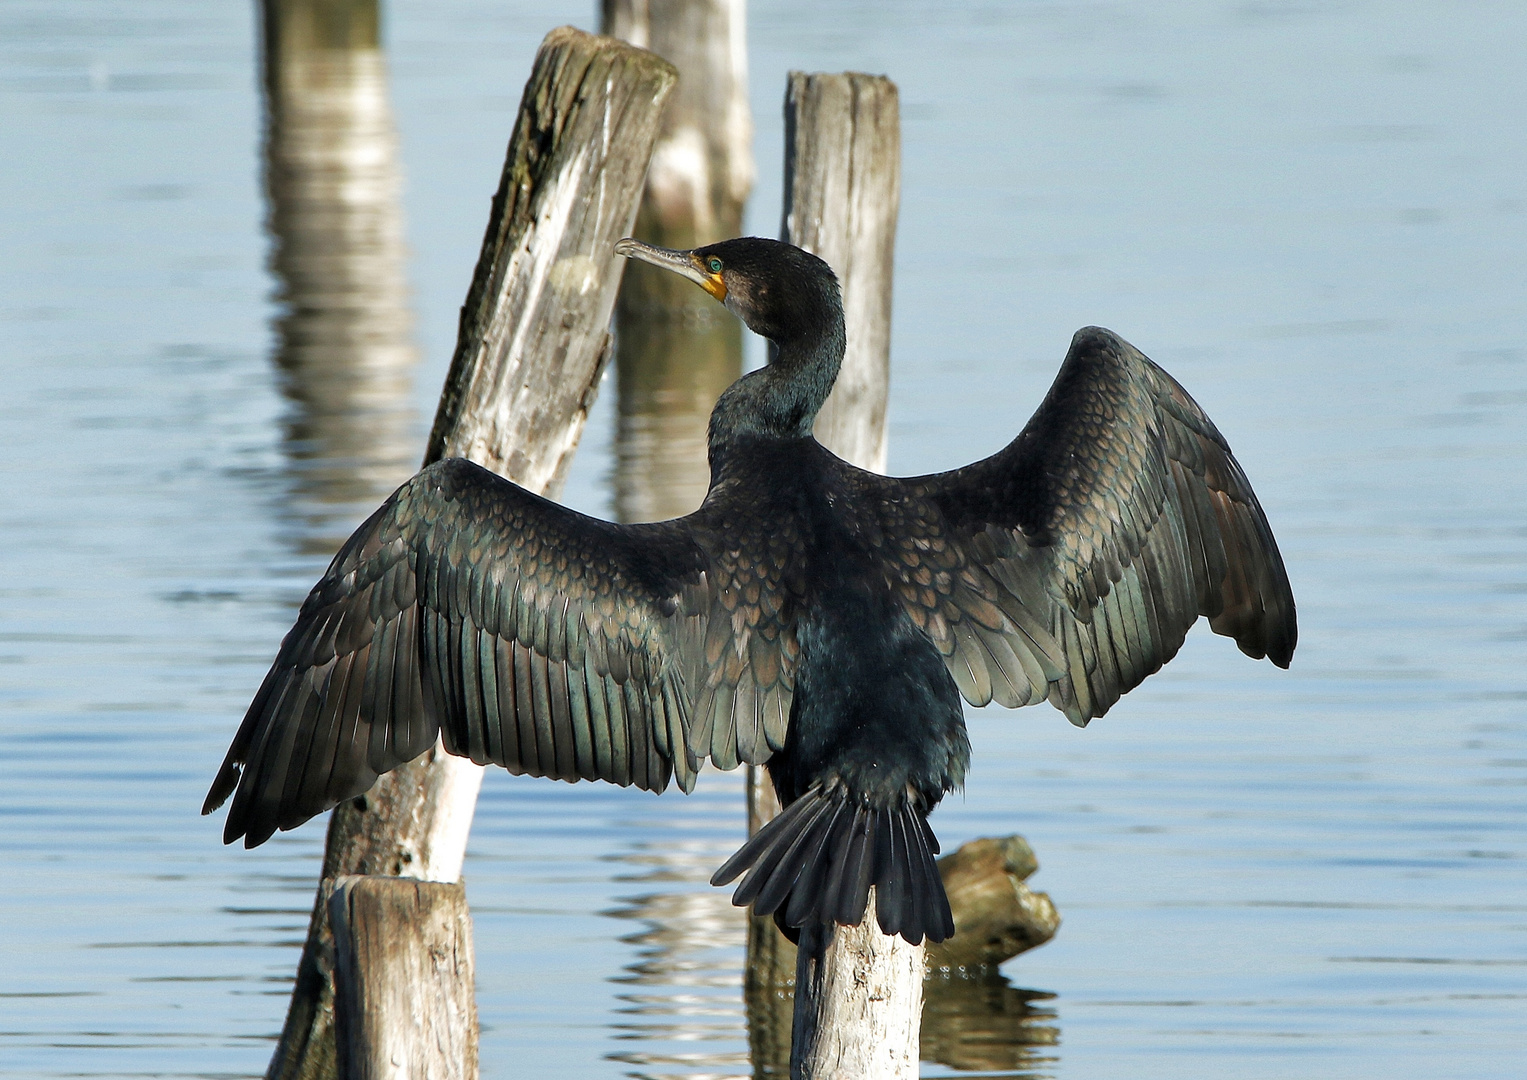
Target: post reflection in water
980 1022
343 336
671 365
682 1000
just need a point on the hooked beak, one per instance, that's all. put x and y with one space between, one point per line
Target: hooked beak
684 263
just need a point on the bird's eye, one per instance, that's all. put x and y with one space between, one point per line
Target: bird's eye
714 264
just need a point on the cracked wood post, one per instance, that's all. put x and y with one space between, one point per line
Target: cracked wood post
842 195
858 996
676 349
532 345
403 1002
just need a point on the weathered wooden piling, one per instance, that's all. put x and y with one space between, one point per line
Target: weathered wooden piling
842 195
404 1007
702 165
676 349
858 1003
344 335
858 993
531 347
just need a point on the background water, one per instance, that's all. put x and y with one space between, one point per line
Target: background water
1315 215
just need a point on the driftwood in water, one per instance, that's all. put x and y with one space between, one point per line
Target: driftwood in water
403 999
842 195
531 349
996 916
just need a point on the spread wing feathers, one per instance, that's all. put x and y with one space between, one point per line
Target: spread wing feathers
535 637
1100 535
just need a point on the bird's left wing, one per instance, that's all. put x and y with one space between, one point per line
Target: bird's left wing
1071 564
540 639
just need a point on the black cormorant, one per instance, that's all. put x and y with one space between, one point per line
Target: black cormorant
811 616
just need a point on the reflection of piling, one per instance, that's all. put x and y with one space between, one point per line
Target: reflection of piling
979 1022
669 370
676 350
678 1000
531 348
344 341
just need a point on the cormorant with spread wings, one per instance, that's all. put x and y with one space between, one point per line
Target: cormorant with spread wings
809 616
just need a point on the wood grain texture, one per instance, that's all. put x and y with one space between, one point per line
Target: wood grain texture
532 345
858 1004
533 336
404 1007
842 196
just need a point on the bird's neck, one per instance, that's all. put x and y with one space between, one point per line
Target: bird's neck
781 400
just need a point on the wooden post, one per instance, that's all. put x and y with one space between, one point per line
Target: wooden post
528 358
403 1002
858 1004
858 993
676 349
702 166
344 333
842 195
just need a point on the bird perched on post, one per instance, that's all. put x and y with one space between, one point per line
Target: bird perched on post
809 616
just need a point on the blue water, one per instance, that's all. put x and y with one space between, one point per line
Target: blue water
1315 216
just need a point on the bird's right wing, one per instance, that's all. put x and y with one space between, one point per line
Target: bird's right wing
540 639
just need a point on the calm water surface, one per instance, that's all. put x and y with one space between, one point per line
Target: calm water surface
1313 214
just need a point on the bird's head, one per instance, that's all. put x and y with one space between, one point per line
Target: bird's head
781 292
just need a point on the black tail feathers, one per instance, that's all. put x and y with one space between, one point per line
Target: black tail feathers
816 861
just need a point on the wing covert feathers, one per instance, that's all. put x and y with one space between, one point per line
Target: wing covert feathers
523 633
816 862
1071 564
